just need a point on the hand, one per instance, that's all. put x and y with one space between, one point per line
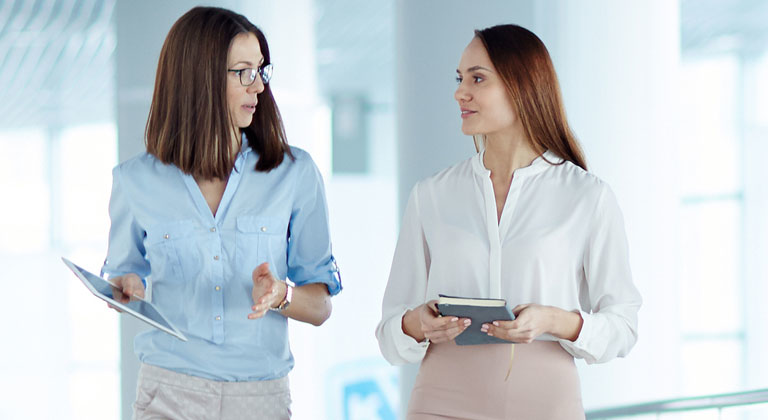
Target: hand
129 287
531 321
434 327
267 291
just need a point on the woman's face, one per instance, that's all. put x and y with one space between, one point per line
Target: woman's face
244 53
486 107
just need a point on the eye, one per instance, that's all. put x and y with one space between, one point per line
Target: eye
478 79
458 79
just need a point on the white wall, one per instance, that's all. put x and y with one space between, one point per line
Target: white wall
618 64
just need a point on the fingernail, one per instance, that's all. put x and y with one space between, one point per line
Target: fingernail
467 322
484 328
496 323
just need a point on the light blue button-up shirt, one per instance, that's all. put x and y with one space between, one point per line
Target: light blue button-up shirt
199 265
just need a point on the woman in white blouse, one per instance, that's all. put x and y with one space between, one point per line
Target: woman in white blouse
522 220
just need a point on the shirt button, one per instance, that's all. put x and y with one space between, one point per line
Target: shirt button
218 318
213 229
216 257
167 236
263 228
218 288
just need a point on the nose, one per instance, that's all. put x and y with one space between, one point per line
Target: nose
257 86
461 94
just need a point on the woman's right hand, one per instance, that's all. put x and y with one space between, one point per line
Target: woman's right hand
129 287
425 321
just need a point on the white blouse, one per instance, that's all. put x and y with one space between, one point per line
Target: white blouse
560 242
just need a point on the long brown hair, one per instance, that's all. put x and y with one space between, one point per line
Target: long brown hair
524 65
189 123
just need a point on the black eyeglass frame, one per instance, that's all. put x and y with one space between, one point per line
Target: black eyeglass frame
265 72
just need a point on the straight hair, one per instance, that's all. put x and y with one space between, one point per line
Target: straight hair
189 123
526 68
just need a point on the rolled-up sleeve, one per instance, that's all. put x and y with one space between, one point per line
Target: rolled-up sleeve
406 288
310 259
610 310
125 253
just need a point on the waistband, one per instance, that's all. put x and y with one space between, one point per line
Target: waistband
180 380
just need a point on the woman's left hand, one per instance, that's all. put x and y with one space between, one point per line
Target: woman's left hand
267 291
531 321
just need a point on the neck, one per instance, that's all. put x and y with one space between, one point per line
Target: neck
236 142
505 154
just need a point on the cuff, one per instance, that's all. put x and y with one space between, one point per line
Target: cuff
409 350
580 347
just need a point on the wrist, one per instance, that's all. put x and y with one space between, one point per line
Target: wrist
411 324
567 325
285 291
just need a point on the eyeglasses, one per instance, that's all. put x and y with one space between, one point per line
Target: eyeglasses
248 76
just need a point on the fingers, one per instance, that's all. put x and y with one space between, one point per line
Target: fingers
445 329
129 287
261 272
519 308
119 296
432 304
262 306
510 331
256 314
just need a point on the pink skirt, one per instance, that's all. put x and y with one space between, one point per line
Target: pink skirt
468 382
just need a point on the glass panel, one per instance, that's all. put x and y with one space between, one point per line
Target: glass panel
709 143
70 356
94 395
711 366
691 415
25 218
88 154
710 268
750 412
761 91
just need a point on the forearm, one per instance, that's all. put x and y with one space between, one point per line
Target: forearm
564 324
311 303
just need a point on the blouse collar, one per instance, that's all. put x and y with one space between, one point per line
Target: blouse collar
544 161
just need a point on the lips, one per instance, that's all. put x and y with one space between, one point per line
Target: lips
249 108
466 113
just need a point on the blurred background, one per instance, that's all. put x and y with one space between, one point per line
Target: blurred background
669 99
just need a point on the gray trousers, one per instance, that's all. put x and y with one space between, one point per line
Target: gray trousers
167 395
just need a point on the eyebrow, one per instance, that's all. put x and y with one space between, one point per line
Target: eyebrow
474 68
249 63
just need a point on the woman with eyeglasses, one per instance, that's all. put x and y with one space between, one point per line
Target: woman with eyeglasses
522 220
224 224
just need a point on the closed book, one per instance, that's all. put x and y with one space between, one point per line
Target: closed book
480 311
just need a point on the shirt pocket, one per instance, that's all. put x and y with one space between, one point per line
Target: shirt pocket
166 244
257 239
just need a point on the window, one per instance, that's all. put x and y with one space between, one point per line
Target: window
56 186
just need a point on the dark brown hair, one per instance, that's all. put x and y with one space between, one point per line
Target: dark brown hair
524 65
189 123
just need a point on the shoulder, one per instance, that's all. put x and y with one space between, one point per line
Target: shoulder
583 187
575 178
449 178
142 164
300 154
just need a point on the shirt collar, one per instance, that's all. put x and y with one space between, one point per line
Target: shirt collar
544 161
244 146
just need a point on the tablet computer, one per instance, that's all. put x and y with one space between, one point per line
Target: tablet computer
139 308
